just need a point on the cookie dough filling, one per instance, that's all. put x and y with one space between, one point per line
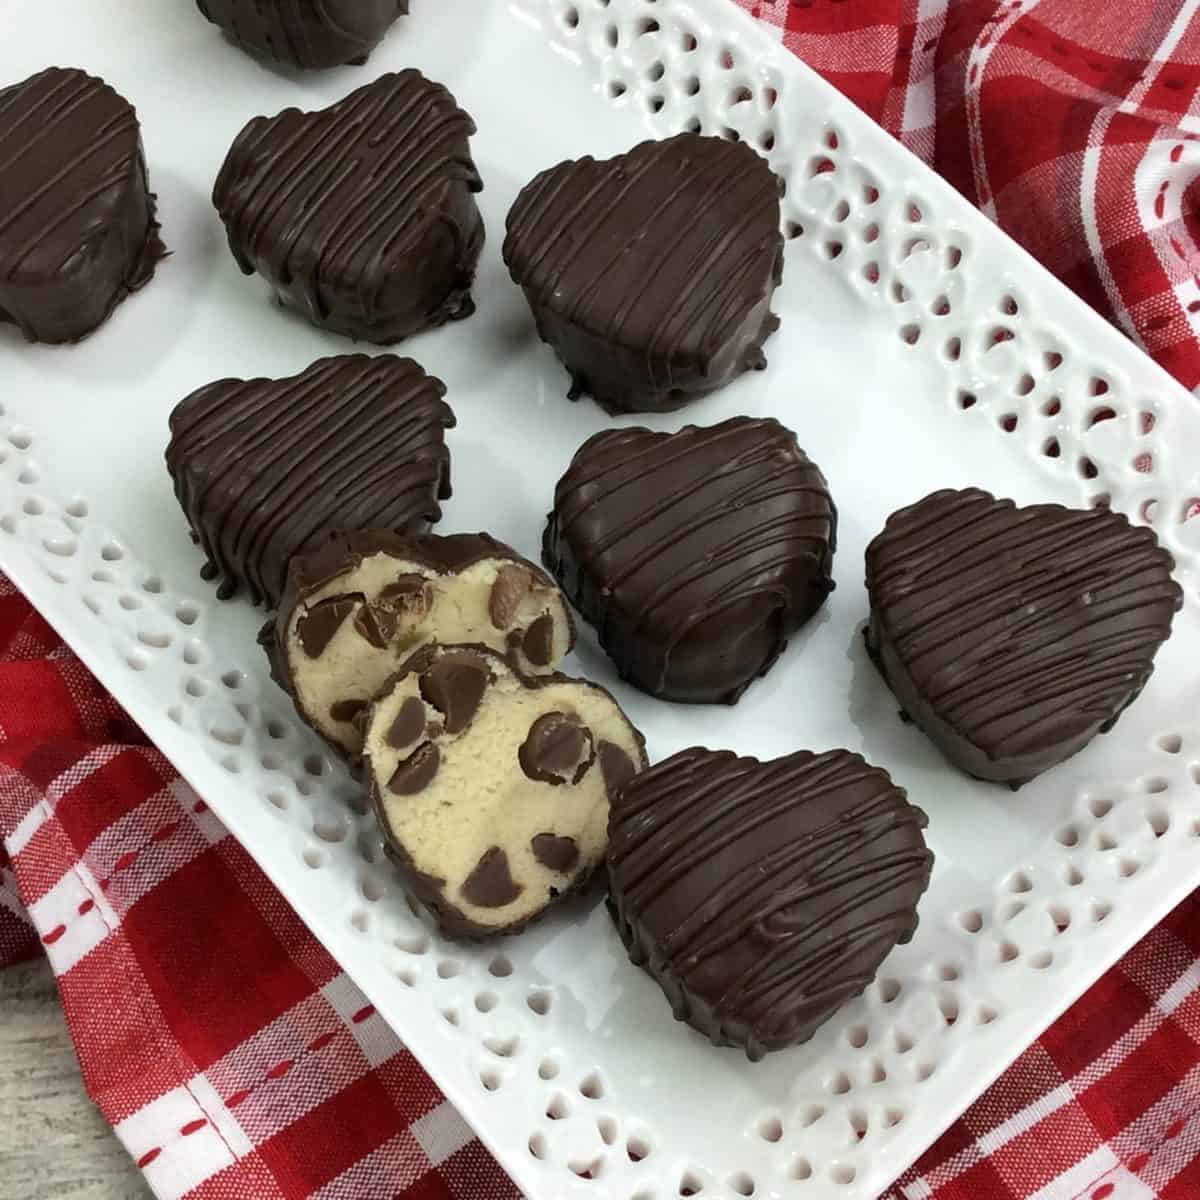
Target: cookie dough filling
344 638
494 789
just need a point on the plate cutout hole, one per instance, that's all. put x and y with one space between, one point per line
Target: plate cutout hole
811 1115
986 1014
967 400
313 858
770 1129
329 829
971 920
501 1047
857 1036
448 969
1159 821
878 1071
801 1168
558 1108
279 800
361 920
486 1001
1068 835
637 1148
902 1041
412 943
1170 743
949 971
889 989
500 967
1012 910
859 1124
1100 806
924 1071
450 1016
910 334
1061 916
1156 786
491 1079
406 975
1041 960
570 17
843 1173
1051 448
539 1002
948 1006
111 552
1099 911
1009 422
840 1084
1072 876
537 1146
1007 952
186 614
741 1184
606 1127
690 1184
1128 867
592 1087
953 349
547 1069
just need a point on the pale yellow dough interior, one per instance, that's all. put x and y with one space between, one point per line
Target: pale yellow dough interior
481 797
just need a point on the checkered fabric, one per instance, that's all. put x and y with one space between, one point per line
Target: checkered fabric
229 1053
1073 124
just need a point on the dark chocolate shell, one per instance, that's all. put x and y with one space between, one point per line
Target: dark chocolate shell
266 468
77 226
306 33
651 274
696 554
1012 636
361 216
763 895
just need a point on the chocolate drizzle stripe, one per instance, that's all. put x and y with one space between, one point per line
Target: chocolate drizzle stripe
557 248
352 442
1007 615
80 90
682 816
348 217
758 468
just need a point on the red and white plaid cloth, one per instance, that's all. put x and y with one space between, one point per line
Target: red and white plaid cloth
235 1060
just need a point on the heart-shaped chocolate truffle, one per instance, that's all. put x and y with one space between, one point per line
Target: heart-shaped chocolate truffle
762 896
651 274
77 227
306 33
695 554
1012 636
362 215
267 468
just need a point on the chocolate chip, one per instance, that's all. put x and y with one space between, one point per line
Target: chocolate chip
617 767
539 641
347 710
558 749
511 587
377 624
408 592
318 625
454 685
555 853
490 884
409 724
416 773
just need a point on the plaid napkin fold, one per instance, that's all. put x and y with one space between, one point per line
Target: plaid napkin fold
233 1058
1073 124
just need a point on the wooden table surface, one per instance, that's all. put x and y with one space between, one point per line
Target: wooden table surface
54 1144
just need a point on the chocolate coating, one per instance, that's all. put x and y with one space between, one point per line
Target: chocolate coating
763 896
651 274
267 468
695 555
1012 636
362 216
311 34
77 225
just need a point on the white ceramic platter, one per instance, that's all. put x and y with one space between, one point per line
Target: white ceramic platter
919 348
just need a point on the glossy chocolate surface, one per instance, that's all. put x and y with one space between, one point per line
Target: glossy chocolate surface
267 468
651 274
77 223
696 555
1012 636
361 216
763 895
